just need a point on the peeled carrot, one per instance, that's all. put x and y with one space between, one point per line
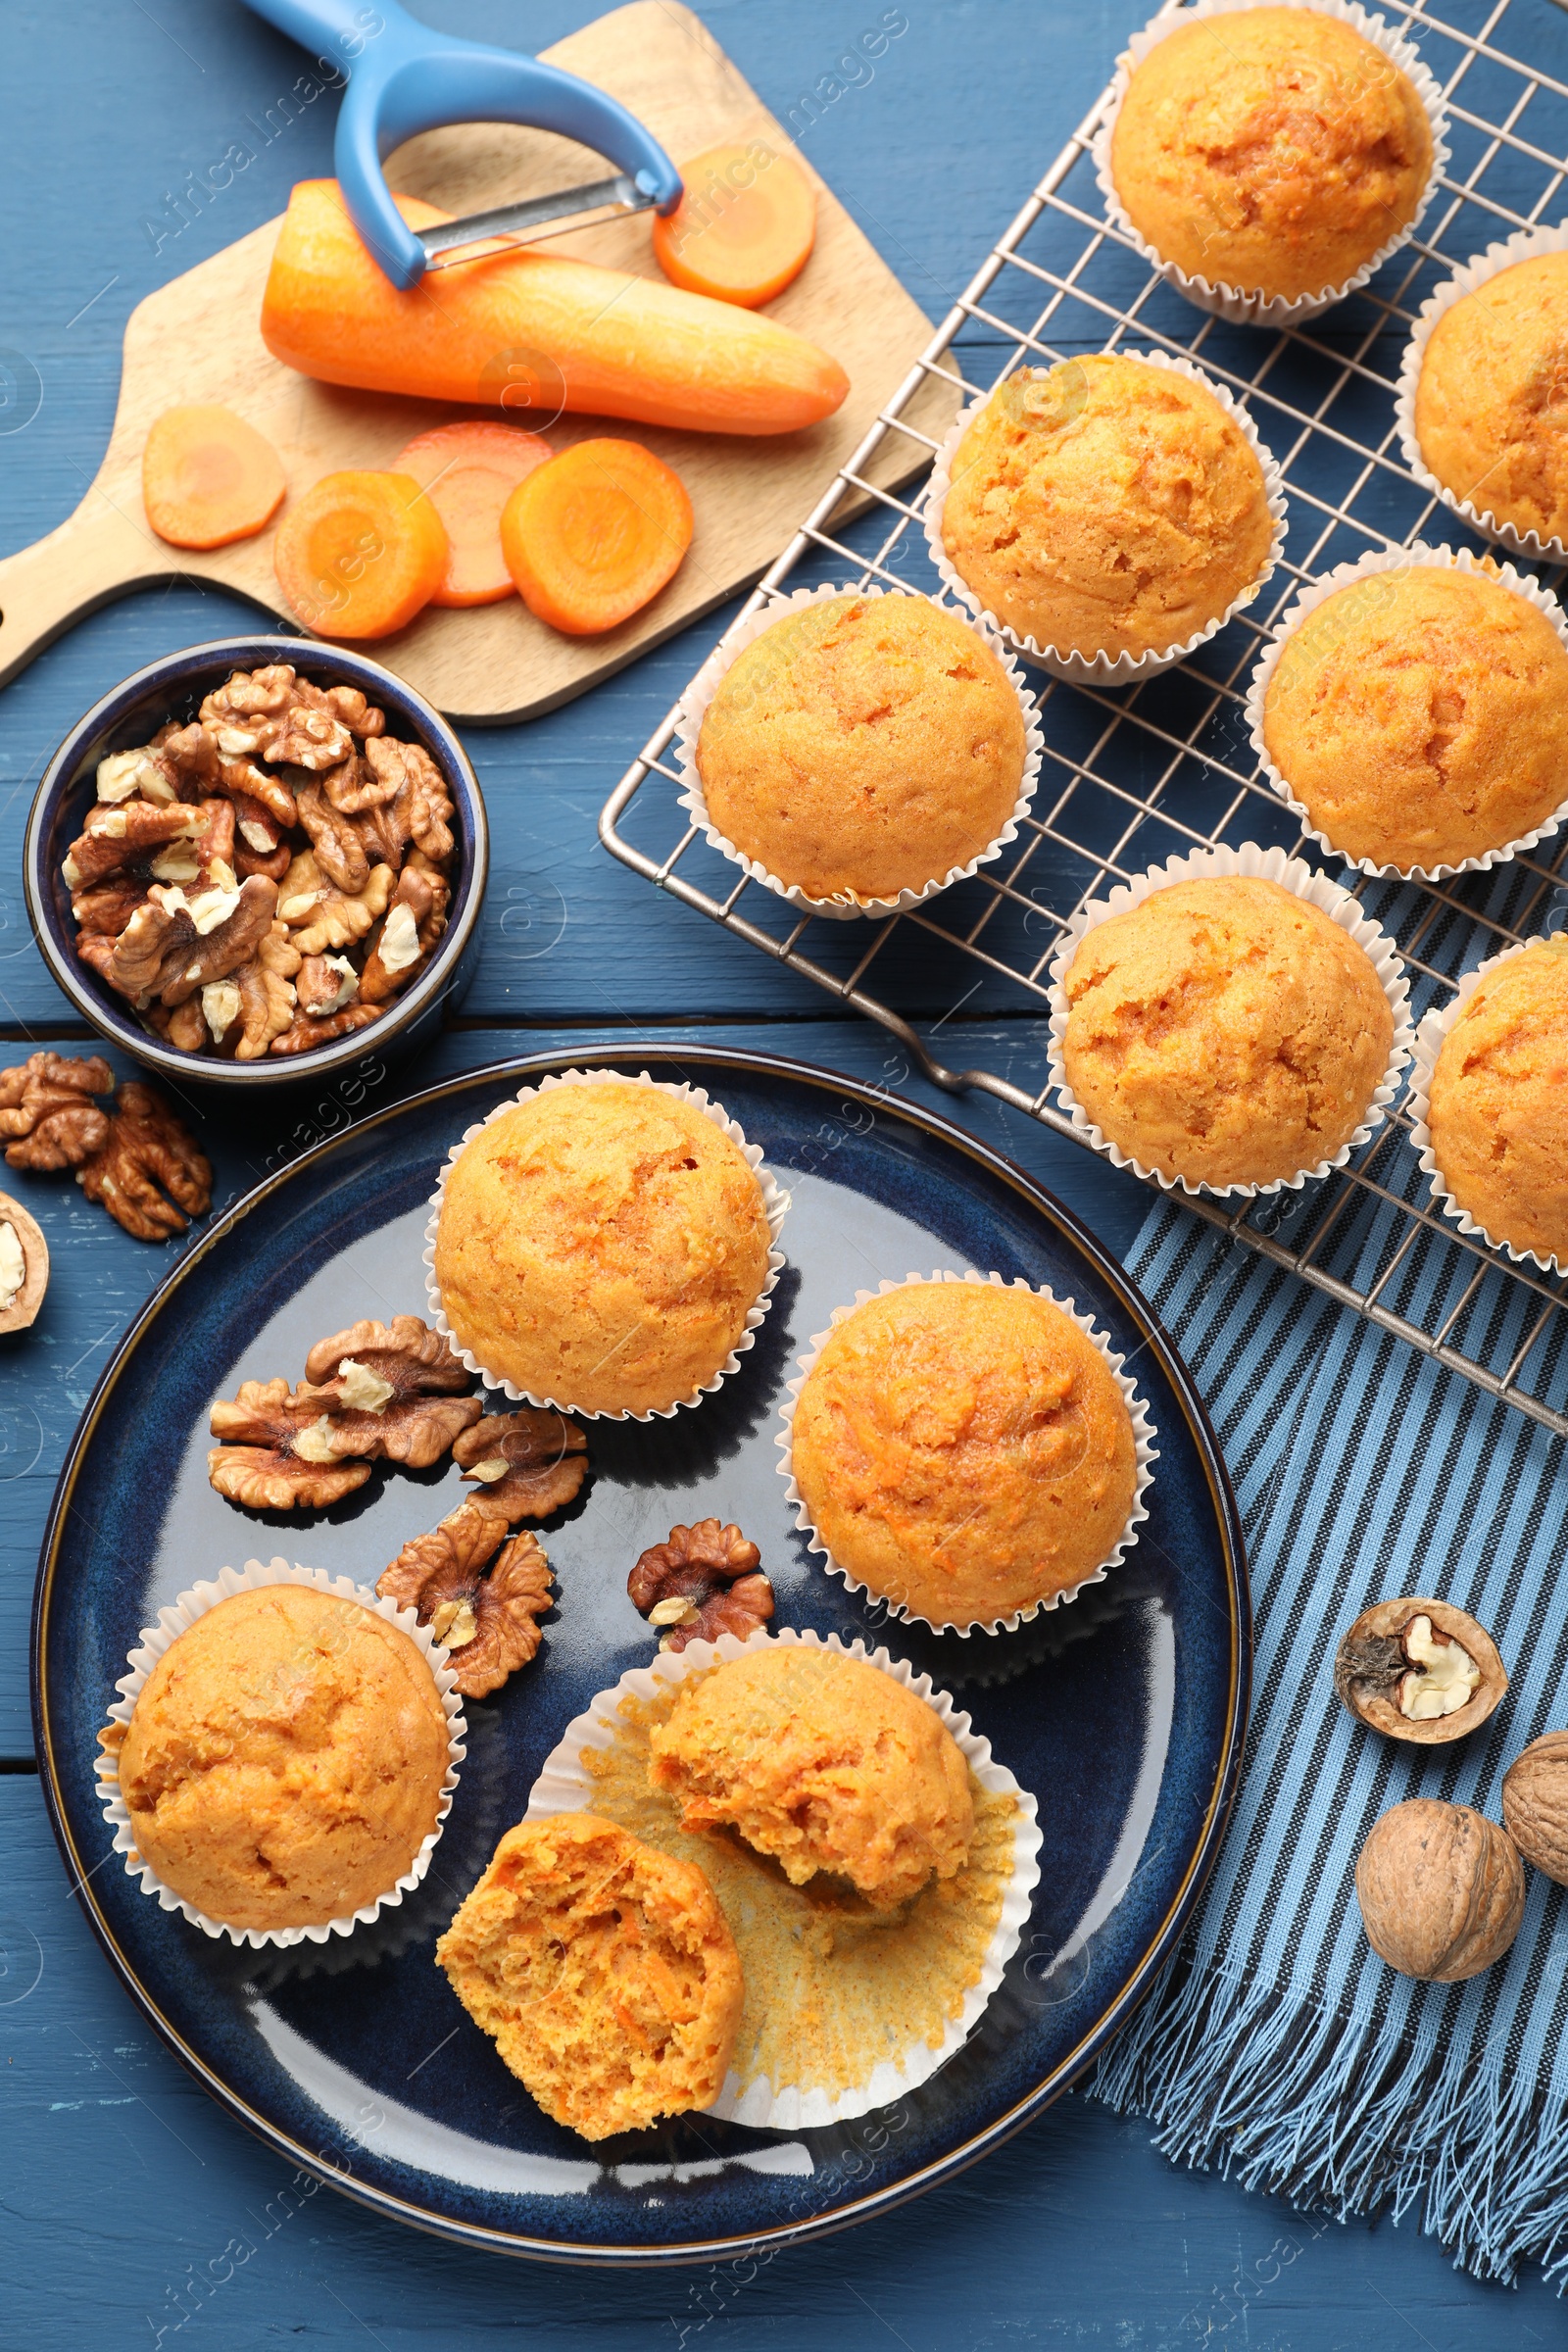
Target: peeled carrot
208 477
594 535
568 334
361 554
471 470
744 228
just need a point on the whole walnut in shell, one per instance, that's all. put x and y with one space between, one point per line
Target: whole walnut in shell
1535 1804
1442 1891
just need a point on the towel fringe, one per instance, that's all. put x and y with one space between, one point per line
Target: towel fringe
1347 2117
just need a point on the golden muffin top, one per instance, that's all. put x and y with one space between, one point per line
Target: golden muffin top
1421 716
285 1761
1498 1101
1274 149
963 1449
823 1762
1106 505
1225 1031
1491 400
604 1970
864 746
602 1246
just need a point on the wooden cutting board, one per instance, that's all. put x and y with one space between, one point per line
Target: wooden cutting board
198 338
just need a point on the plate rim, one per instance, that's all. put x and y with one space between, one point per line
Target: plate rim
1139 1980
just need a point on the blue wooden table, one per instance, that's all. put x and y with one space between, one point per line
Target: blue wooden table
132 2212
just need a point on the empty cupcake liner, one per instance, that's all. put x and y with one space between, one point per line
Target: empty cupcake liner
1435 559
1144 1435
775 1203
181 1613
1523 246
564 1787
1233 303
1105 669
1252 863
841 908
1427 1046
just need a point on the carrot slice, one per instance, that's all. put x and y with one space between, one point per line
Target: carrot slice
744 228
208 477
470 470
361 554
594 535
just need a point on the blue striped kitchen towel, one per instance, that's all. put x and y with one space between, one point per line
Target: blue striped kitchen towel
1277 2046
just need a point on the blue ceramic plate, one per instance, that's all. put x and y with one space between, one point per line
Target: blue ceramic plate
1123 1712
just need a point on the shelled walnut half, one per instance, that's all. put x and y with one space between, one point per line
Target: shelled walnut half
523 1465
703 1581
488 1622
1419 1670
1442 1891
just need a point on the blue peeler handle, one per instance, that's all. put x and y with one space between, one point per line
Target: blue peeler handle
403 79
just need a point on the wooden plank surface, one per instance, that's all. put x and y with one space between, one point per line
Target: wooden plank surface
198 338
120 2184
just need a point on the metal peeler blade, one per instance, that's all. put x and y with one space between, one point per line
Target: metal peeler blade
537 217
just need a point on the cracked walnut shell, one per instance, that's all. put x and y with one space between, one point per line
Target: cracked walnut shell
1419 1670
703 1581
1535 1804
1442 1891
488 1624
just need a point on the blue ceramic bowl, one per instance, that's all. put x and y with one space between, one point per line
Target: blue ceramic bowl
173 687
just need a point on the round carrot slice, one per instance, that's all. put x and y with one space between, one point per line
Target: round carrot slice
593 536
471 470
744 228
208 477
361 554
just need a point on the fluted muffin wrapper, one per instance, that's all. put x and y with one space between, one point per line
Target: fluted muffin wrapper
1233 303
1145 1450
1106 670
565 1786
1252 863
1435 559
1523 246
178 1618
775 1203
841 908
1427 1046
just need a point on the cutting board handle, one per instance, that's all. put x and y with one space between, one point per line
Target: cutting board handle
95 556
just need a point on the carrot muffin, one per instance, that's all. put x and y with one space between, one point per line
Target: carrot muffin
1273 151
601 1247
1104 506
864 746
603 1972
1499 1102
1225 1031
285 1761
1491 400
1421 716
823 1762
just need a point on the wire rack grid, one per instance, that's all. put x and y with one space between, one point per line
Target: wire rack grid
1135 776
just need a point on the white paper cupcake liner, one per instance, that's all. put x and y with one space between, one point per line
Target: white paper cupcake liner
1144 1435
1233 303
1405 558
775 1203
1106 670
1427 1046
564 1787
177 1619
842 906
1259 865
1523 246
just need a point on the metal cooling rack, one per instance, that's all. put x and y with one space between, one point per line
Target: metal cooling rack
1131 778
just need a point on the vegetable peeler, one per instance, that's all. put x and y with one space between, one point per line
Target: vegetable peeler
403 79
